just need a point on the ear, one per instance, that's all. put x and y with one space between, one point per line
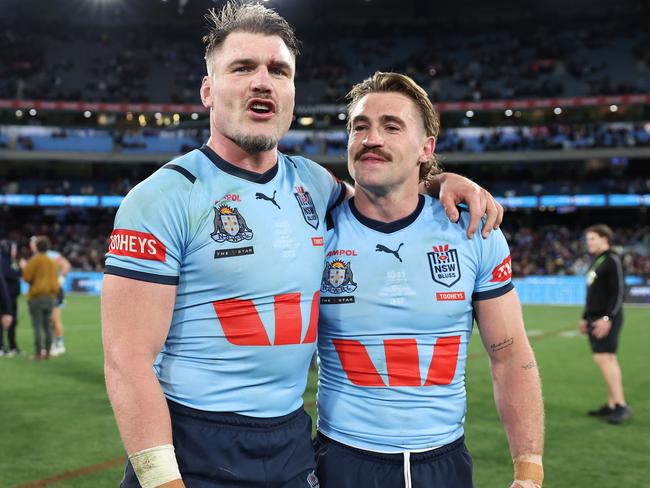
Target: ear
427 149
206 99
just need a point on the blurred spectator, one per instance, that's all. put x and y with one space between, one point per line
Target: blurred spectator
11 273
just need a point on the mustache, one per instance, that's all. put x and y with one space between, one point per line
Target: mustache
378 152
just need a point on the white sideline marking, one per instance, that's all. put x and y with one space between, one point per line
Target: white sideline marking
569 333
534 332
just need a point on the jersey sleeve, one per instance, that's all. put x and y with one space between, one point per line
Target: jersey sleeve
494 276
150 230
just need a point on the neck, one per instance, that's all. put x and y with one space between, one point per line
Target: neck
601 251
386 207
235 155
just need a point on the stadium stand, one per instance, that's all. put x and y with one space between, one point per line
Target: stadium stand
518 57
528 157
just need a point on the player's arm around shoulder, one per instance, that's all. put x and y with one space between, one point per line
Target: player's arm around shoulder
136 316
516 383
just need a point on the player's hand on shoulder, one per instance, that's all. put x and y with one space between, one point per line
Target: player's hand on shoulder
455 189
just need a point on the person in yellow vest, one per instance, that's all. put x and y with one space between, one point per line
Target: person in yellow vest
41 273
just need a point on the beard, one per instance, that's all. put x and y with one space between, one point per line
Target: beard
254 144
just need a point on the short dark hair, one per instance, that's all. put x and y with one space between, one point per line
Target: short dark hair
42 243
603 231
381 82
236 16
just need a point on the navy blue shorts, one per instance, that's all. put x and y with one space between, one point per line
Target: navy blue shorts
60 298
227 450
342 466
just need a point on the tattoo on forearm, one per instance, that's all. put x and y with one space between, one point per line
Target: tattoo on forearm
530 365
502 345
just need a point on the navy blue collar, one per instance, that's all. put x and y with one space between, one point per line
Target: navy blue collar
233 170
388 227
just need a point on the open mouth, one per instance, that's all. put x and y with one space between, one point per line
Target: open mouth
261 107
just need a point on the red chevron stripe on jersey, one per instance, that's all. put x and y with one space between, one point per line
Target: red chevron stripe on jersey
242 324
402 362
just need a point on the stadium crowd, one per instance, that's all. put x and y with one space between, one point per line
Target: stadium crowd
520 57
559 250
82 236
551 136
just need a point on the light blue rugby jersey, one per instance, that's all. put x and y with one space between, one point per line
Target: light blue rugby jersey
395 321
246 251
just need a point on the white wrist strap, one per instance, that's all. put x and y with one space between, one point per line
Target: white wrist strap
155 466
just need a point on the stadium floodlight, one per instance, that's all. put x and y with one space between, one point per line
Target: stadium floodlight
469 114
613 108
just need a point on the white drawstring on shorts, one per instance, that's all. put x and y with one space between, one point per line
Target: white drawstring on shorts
407 470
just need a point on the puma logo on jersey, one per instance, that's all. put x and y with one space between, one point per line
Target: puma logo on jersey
382 248
262 196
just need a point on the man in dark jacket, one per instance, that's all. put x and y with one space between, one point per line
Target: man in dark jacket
602 319
10 273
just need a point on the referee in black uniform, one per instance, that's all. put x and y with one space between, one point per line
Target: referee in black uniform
602 319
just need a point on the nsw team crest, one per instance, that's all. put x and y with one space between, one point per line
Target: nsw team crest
229 225
307 206
444 264
337 277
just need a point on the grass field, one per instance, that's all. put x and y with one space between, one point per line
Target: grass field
57 429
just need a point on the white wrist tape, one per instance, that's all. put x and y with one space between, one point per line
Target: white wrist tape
155 466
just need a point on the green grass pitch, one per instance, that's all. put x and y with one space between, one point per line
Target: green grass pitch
57 428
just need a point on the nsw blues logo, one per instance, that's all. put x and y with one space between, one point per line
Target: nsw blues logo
337 277
444 265
307 206
229 225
